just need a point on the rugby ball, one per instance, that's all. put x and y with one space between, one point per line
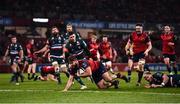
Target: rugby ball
81 70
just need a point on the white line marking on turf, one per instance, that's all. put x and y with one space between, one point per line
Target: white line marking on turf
91 91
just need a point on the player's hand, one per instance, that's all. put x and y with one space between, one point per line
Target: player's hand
147 86
170 43
127 52
35 53
43 55
65 90
19 60
104 57
78 74
146 53
111 57
153 86
90 59
4 59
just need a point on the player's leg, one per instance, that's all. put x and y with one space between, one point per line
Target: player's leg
175 68
20 73
167 62
121 76
102 73
102 84
24 66
52 77
29 71
64 69
130 65
109 79
15 73
140 70
33 68
173 63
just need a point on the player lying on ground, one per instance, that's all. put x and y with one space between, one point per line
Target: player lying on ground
159 79
91 68
51 72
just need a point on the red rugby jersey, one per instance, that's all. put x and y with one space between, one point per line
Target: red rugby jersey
30 47
105 48
166 38
93 48
47 69
139 42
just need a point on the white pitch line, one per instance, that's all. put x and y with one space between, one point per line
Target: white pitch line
91 91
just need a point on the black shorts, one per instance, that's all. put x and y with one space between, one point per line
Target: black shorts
138 56
13 60
29 60
171 57
97 75
59 60
175 80
105 60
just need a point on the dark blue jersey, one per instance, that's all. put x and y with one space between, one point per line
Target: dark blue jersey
14 50
174 80
78 49
157 78
56 44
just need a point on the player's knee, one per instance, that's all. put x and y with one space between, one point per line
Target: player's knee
100 84
55 63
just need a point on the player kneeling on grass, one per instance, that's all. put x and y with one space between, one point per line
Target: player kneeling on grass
91 68
159 79
51 72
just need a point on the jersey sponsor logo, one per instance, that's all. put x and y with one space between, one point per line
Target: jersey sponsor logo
84 64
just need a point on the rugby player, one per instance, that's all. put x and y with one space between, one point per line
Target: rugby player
29 59
15 51
141 45
95 68
159 79
168 49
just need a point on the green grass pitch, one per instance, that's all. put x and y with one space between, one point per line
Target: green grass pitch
50 92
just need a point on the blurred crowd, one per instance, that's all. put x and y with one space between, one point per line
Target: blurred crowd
104 10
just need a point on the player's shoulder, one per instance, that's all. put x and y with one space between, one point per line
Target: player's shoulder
84 63
133 33
158 74
18 44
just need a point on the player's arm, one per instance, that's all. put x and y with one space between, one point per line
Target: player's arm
164 82
28 49
115 55
6 54
69 83
129 45
98 55
110 51
45 53
66 52
86 73
173 42
45 48
147 86
149 44
21 53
